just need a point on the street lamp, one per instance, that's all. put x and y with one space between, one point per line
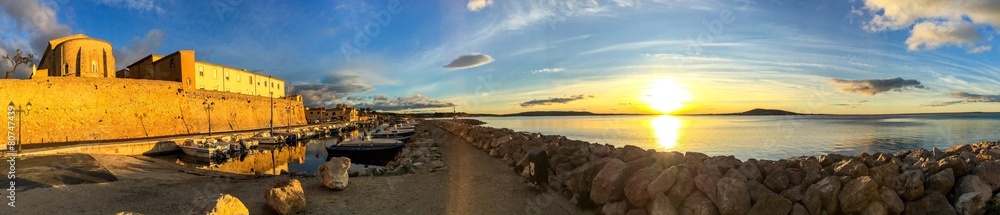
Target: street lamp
21 112
208 108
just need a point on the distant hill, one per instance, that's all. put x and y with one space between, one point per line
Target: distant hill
761 111
552 113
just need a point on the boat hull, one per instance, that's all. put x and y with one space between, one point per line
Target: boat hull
373 155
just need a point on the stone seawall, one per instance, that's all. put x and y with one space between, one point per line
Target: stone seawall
83 109
963 179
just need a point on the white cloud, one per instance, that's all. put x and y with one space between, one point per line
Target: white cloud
548 70
138 48
936 23
475 5
140 5
930 36
37 22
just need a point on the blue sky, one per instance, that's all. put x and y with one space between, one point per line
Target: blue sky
601 56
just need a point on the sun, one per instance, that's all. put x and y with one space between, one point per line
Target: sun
666 95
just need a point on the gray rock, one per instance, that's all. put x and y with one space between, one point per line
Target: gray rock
798 209
874 208
942 181
698 204
635 186
989 172
829 189
911 184
734 198
661 206
776 181
769 204
663 181
969 204
851 167
580 180
813 200
973 184
751 171
615 208
891 200
609 182
333 173
956 164
286 197
934 203
857 194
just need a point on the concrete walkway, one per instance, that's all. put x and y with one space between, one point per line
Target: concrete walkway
475 183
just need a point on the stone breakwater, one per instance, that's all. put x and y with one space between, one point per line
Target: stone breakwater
963 179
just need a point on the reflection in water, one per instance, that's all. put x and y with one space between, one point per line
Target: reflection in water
667 130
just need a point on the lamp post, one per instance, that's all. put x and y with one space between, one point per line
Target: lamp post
21 112
208 108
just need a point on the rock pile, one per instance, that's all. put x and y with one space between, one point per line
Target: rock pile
422 155
620 180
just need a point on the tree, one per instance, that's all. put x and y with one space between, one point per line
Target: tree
17 60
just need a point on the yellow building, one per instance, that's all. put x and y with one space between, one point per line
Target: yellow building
77 55
181 66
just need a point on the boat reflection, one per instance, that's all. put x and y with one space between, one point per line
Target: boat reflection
667 130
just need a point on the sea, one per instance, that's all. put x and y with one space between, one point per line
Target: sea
768 137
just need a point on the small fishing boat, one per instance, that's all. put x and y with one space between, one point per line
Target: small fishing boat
265 138
200 148
393 132
367 150
290 136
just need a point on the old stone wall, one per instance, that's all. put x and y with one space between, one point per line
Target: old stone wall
963 179
80 109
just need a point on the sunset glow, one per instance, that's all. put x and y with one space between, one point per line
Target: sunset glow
666 96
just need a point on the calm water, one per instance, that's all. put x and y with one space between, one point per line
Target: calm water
768 137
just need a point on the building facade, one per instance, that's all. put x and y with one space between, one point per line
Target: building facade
181 66
342 114
78 56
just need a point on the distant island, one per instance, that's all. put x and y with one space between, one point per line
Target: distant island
529 113
754 112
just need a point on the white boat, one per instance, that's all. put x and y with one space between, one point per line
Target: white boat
200 148
265 138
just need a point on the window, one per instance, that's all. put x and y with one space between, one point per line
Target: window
93 66
227 75
201 71
171 63
215 73
66 71
238 77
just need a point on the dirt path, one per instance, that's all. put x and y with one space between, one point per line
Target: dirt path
474 184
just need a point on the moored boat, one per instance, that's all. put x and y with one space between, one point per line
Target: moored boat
367 150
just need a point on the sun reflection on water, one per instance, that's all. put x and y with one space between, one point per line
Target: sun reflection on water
667 130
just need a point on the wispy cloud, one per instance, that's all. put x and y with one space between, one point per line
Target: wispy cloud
469 61
871 87
550 101
548 70
418 101
967 98
139 5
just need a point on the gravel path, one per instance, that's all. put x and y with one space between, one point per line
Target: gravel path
474 184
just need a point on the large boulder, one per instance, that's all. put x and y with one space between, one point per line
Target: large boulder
333 173
609 183
580 180
635 186
698 204
911 184
857 193
734 198
942 181
812 200
219 204
890 200
989 172
706 184
969 204
615 208
771 203
933 204
973 184
829 189
956 163
286 197
663 181
682 188
751 170
777 180
851 167
661 206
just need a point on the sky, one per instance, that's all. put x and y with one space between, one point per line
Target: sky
618 56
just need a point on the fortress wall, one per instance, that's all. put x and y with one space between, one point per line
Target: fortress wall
78 109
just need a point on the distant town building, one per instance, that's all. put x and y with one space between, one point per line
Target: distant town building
340 113
76 55
181 66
